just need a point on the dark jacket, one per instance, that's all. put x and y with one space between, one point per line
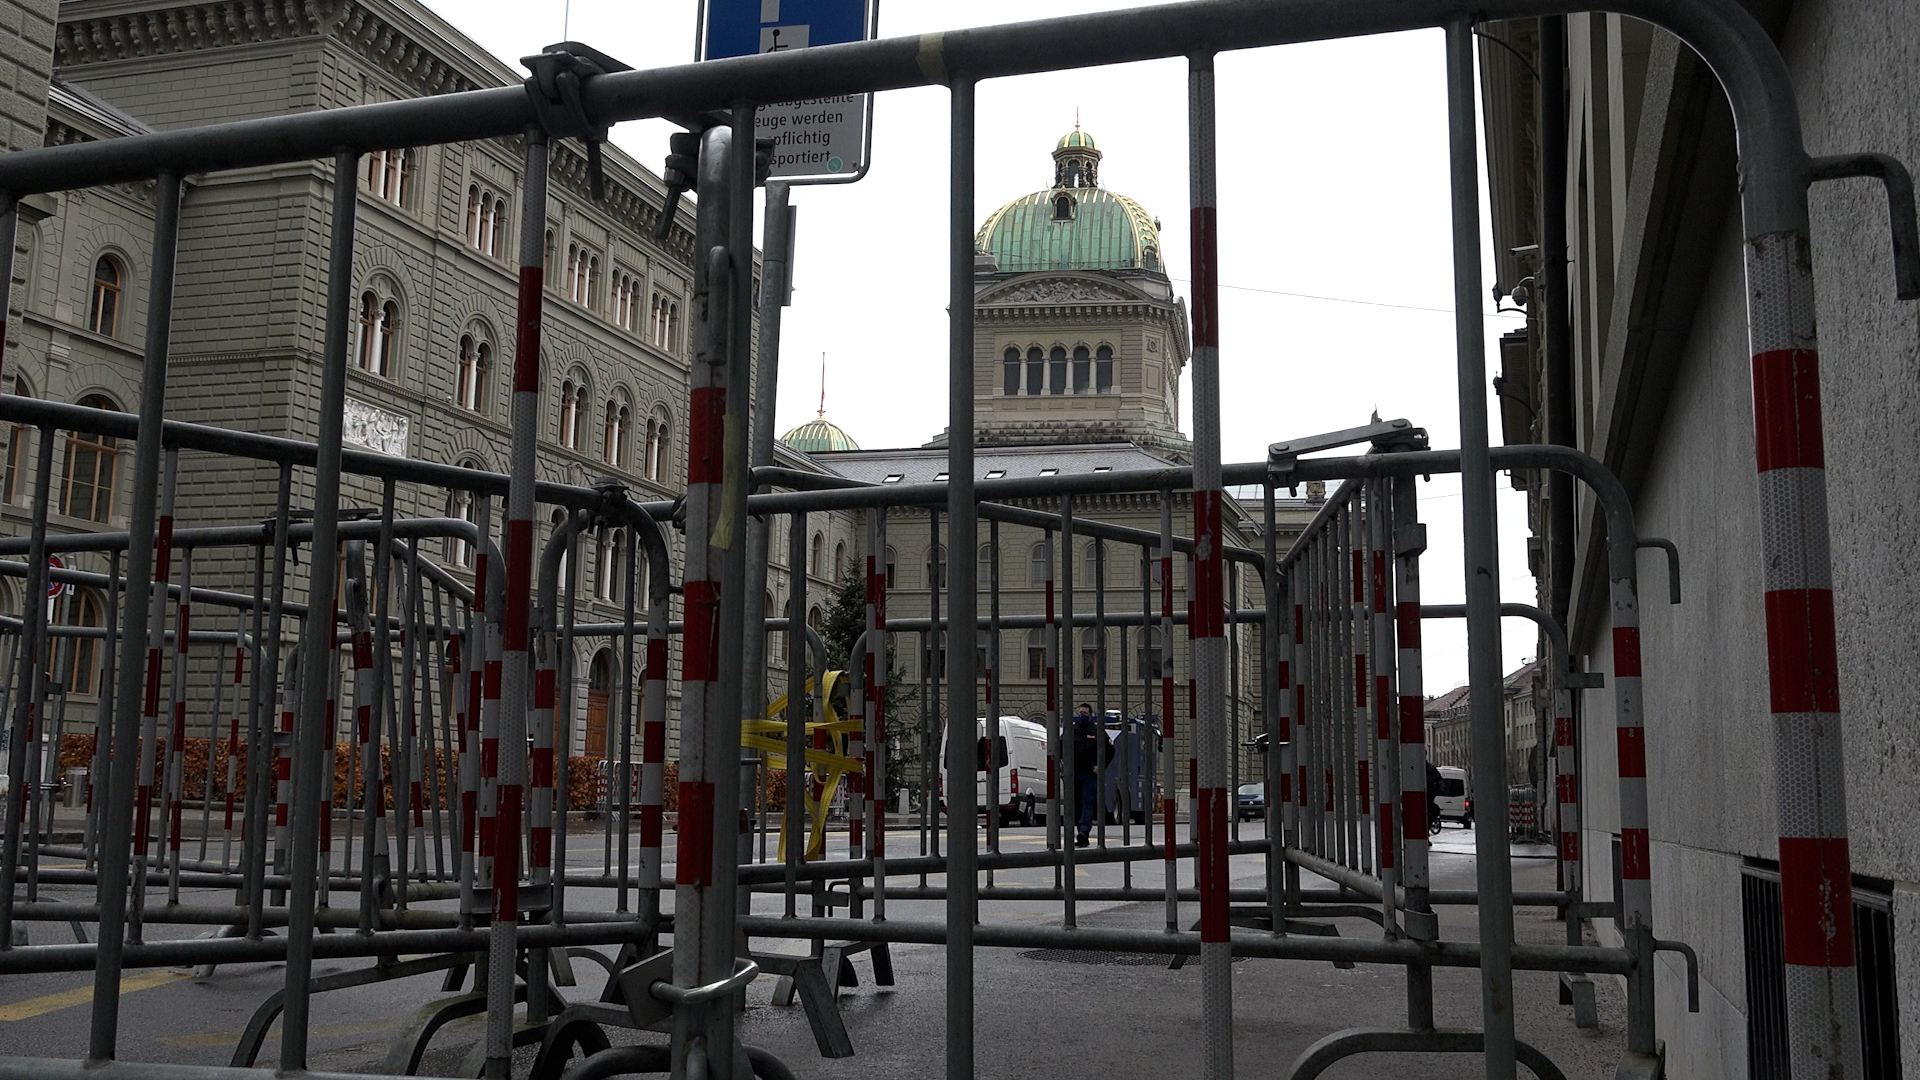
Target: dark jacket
1085 738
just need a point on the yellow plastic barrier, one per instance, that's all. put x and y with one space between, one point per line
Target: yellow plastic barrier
828 766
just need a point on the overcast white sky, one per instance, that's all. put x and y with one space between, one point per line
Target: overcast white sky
1335 268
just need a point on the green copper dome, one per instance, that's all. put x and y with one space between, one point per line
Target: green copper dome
819 435
1093 229
1074 225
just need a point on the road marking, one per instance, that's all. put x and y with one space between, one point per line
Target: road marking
67 999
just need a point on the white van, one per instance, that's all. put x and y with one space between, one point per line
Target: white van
1021 758
1456 798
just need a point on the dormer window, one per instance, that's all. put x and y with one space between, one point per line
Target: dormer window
894 478
1049 472
995 474
1063 208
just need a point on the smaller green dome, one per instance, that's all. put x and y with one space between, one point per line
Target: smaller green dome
819 435
1075 140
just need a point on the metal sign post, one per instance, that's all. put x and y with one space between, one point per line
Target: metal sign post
816 140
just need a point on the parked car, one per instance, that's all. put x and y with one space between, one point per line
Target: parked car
1252 801
1020 755
1456 797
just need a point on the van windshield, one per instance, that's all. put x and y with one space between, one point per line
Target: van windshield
1452 788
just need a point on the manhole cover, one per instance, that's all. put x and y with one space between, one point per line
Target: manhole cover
1090 956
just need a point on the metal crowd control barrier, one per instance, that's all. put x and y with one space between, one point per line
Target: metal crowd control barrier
484 666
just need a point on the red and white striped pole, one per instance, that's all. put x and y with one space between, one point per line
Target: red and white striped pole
240 642
1409 538
283 765
1816 880
877 703
1298 752
653 749
1169 744
1358 626
1566 785
176 776
481 631
701 765
327 763
1386 748
459 758
1206 629
150 705
508 682
1056 739
366 689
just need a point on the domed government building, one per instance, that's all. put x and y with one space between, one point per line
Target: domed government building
1080 342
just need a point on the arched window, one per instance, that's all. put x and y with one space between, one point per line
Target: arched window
1010 379
610 566
103 309
937 567
388 176
486 220
1037 653
460 505
983 655
656 446
619 424
1090 648
1089 567
1036 371
1040 564
816 562
1082 370
379 325
665 322
989 562
1148 652
814 619
1063 208
19 438
573 400
1103 370
92 463
83 609
839 560
583 274
546 263
476 368
1057 370
890 568
626 301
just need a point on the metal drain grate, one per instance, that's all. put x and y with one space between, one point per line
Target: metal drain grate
1090 956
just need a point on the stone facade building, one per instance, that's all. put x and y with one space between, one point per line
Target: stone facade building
1080 341
431 355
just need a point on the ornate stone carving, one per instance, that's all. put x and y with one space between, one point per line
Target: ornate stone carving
1058 291
375 429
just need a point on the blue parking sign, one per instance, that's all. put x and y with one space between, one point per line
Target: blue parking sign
743 27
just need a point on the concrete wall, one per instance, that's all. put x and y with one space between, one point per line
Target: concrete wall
1710 738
